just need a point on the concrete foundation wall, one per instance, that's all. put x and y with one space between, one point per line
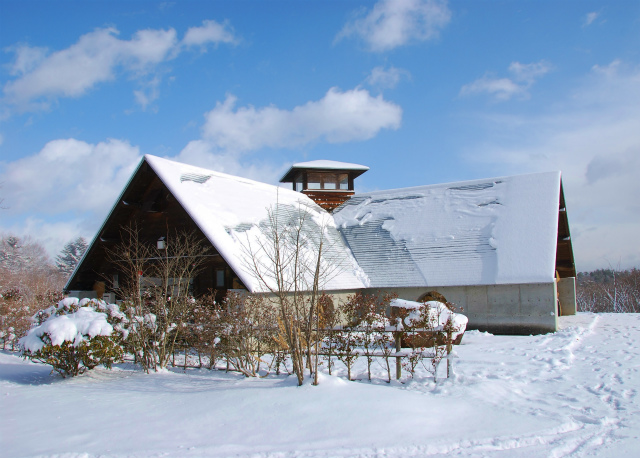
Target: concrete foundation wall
500 309
567 296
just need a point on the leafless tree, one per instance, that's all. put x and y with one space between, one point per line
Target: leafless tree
292 259
156 286
609 290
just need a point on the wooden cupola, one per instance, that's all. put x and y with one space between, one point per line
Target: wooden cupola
327 183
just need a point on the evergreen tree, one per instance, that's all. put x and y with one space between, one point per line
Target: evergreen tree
70 256
11 254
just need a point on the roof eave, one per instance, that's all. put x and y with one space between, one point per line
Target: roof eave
97 236
290 175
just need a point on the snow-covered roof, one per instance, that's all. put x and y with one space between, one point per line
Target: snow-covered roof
324 165
482 232
233 211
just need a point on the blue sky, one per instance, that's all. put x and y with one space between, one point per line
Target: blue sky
421 91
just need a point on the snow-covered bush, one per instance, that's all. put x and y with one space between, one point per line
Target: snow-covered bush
76 336
431 316
428 328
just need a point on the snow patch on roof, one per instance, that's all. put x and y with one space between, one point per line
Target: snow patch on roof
482 232
324 164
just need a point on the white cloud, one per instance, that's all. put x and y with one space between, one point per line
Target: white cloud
523 77
79 181
147 48
528 73
591 135
148 93
68 175
65 190
231 133
383 78
203 154
93 59
210 32
590 17
501 88
54 235
393 23
336 118
26 58
96 58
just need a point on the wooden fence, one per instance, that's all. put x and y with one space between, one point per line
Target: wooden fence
441 338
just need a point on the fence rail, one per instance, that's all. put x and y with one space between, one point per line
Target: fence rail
397 351
398 333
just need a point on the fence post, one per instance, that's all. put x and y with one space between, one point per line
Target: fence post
398 337
448 352
186 348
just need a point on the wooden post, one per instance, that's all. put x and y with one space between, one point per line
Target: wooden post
186 348
449 368
398 336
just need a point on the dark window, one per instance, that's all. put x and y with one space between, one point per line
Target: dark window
343 178
219 278
329 181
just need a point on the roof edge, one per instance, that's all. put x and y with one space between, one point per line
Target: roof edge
456 183
239 272
324 165
104 222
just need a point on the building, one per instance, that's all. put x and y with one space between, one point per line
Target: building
499 248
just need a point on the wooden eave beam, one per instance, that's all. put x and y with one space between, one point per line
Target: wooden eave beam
565 264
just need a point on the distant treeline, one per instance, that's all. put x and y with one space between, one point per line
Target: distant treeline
609 290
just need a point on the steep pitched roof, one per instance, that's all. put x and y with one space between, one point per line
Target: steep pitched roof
482 232
233 212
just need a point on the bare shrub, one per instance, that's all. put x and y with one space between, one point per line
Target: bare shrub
369 314
204 330
249 330
328 319
349 338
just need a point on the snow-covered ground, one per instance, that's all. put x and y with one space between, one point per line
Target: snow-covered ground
569 394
